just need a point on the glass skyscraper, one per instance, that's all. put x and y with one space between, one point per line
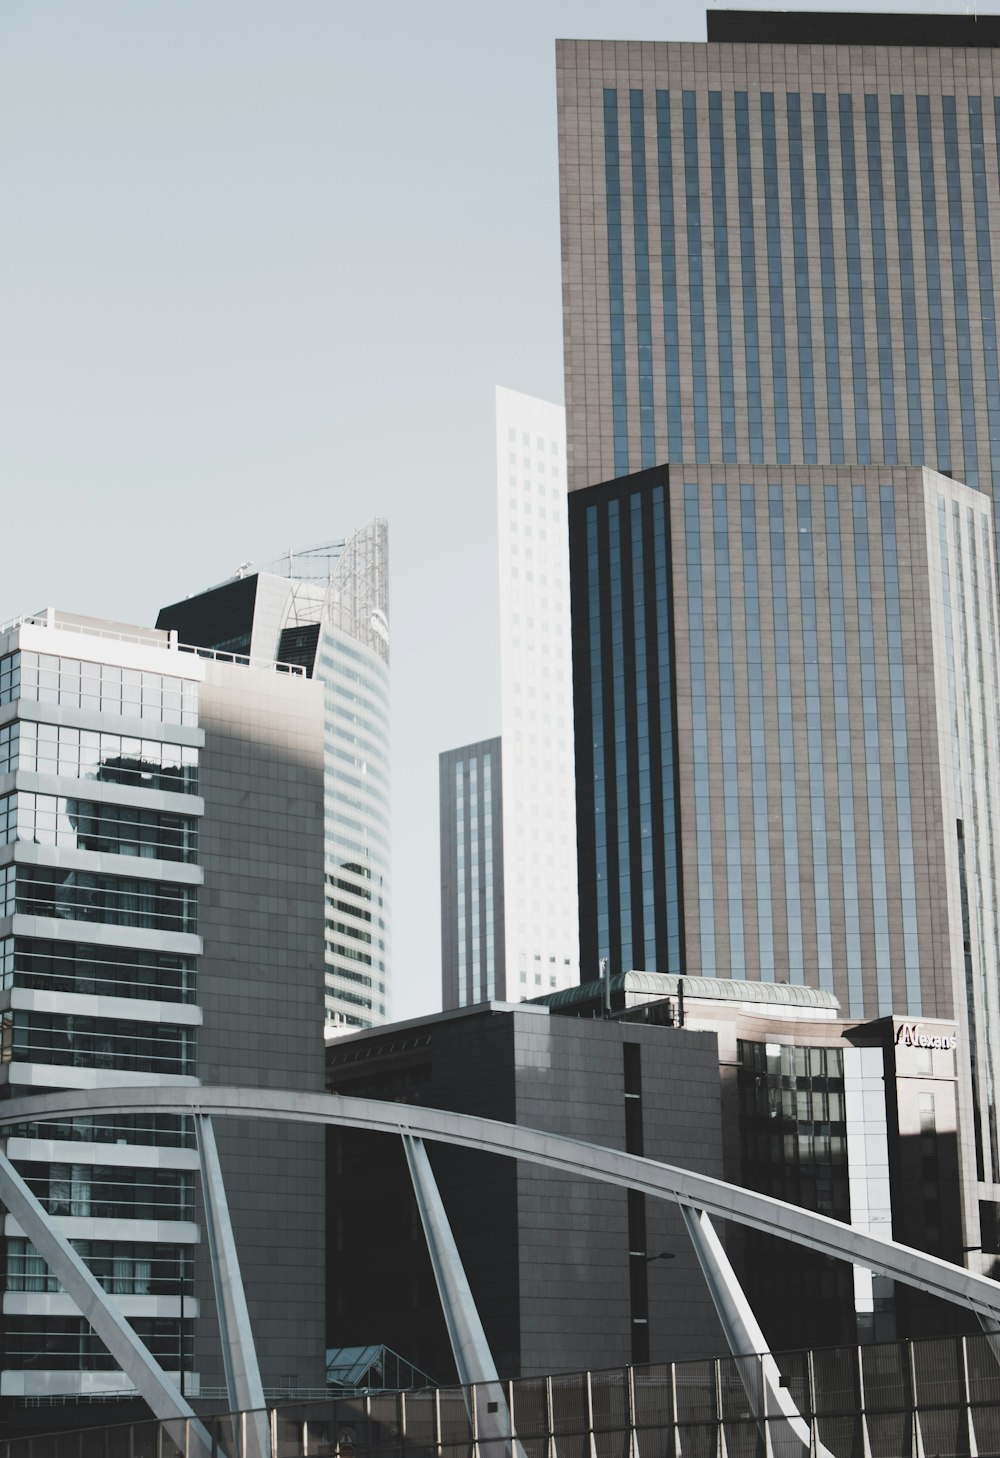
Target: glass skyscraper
779 246
780 343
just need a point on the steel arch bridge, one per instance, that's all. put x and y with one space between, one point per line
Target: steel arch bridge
700 1197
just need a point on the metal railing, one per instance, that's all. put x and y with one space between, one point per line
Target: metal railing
939 1398
167 642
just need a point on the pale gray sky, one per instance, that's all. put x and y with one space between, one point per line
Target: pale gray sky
261 265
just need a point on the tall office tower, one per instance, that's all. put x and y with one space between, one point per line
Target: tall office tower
326 609
786 691
536 698
160 922
531 885
473 926
779 246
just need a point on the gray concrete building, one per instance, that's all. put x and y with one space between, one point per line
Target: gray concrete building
161 921
325 609
558 1266
766 1085
473 925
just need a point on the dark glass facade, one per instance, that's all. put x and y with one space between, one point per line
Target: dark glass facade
627 785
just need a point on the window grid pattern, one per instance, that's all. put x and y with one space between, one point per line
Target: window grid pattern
786 729
730 751
845 766
668 275
91 825
905 278
815 737
612 176
758 732
87 1042
699 728
640 241
48 679
89 970
123 1268
900 751
111 1191
50 749
775 278
88 896
68 1344
828 280
696 284
880 269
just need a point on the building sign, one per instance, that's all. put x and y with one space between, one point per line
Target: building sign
912 1035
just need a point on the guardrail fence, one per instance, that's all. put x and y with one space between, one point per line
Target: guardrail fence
936 1398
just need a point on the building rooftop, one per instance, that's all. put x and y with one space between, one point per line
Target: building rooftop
851 28
644 986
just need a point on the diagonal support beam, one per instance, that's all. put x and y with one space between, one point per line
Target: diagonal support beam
239 1356
489 1413
768 1398
96 1306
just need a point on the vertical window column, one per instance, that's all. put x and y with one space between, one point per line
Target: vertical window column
668 274
960 290
645 826
666 704
699 729
900 752
644 325
616 285
620 709
786 731
730 749
775 280
852 239
845 765
939 361
696 276
748 271
828 279
907 288
601 869
815 737
987 299
758 733
873 758
800 254
880 268
720 248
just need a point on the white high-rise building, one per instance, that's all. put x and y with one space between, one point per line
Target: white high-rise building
509 920
536 697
